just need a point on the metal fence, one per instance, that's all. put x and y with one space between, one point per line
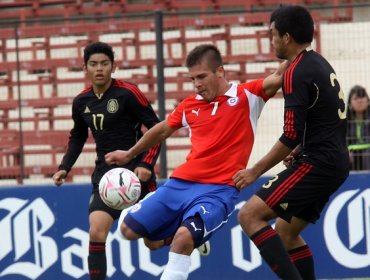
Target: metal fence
41 72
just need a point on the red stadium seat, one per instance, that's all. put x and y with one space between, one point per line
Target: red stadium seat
51 62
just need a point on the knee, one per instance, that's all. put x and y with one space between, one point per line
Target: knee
183 242
245 214
251 218
128 233
255 211
153 245
98 234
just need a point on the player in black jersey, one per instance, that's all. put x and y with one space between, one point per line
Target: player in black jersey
114 111
313 146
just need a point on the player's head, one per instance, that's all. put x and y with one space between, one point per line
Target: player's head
206 71
358 100
99 64
205 53
288 24
98 47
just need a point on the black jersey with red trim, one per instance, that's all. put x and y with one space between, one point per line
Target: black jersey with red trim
314 113
115 120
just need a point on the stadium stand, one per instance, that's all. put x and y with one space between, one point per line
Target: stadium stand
68 9
49 63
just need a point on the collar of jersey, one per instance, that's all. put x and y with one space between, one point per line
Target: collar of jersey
231 92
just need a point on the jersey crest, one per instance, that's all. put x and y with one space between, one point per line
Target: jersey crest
232 101
112 106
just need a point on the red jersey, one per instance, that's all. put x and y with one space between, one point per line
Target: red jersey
222 132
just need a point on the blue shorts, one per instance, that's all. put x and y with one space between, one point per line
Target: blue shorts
160 215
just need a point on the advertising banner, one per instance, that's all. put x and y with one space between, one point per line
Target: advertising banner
44 235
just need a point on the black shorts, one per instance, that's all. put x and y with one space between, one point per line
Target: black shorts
97 204
301 190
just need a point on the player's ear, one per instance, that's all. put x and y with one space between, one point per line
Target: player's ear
114 67
287 38
220 72
84 68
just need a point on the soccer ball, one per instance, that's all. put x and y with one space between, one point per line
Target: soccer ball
119 188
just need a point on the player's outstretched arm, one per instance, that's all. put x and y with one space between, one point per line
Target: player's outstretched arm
152 137
245 177
273 82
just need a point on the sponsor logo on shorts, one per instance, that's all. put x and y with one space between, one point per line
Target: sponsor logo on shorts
204 210
284 206
135 208
195 227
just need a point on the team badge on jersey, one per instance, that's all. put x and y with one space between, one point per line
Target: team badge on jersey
112 106
232 101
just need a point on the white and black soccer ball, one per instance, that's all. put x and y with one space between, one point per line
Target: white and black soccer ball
119 188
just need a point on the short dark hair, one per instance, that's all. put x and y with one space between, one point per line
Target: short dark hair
98 47
294 20
207 52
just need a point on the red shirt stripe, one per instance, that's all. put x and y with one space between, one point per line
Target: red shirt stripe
288 76
289 129
135 90
151 154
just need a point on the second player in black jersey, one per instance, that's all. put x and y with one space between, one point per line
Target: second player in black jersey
115 120
114 112
313 147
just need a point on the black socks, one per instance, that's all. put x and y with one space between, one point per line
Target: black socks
97 261
274 253
303 260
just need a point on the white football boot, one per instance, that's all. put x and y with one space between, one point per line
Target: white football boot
204 249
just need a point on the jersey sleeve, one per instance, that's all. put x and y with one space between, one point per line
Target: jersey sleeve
297 99
175 119
146 115
256 87
77 138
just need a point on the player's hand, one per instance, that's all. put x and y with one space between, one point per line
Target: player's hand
289 160
59 177
244 177
143 173
118 157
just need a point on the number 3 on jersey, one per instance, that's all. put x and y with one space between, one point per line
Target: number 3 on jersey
342 114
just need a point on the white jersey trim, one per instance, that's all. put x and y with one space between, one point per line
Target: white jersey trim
256 104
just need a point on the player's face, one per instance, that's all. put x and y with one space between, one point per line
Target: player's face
206 82
359 104
277 42
99 69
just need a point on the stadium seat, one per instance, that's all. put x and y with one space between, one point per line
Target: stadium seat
51 62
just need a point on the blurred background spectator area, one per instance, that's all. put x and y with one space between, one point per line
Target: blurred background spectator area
42 41
358 128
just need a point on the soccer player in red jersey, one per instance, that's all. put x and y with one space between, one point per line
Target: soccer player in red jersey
200 194
313 146
114 111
